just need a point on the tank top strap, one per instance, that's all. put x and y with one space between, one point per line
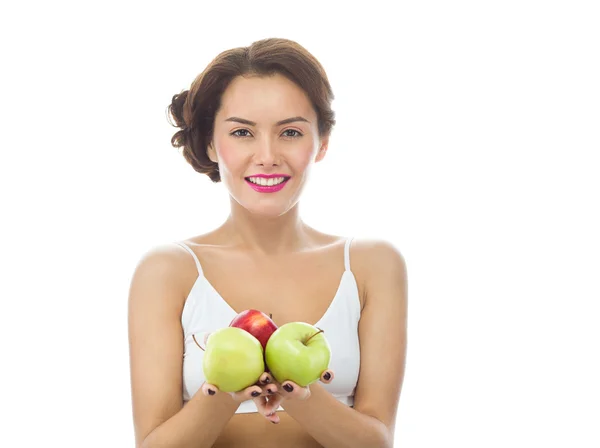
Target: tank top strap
186 247
347 253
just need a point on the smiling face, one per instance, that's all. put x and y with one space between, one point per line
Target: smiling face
266 125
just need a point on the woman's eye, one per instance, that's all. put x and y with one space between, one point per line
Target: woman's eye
292 133
288 131
244 132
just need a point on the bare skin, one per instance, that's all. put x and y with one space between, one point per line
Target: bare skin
282 267
262 287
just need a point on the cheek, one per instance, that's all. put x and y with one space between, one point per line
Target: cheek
227 155
307 155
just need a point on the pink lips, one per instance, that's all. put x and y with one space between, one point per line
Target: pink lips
266 189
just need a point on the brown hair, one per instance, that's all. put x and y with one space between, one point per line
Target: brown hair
194 110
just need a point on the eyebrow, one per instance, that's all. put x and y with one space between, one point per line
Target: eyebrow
279 123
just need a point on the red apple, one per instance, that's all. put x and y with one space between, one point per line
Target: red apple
257 323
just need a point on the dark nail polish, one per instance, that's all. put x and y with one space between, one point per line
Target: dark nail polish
211 392
327 376
255 394
288 387
266 381
270 391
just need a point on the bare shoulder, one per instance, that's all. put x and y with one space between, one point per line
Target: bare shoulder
164 254
378 260
167 263
377 247
377 253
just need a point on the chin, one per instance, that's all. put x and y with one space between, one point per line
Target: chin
267 206
268 211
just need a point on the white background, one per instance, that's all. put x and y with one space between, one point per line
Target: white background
468 135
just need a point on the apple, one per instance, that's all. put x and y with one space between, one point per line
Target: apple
297 352
233 359
257 323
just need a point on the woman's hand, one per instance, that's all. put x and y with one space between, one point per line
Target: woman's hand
268 394
263 388
288 390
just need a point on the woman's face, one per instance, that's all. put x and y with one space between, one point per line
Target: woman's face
265 125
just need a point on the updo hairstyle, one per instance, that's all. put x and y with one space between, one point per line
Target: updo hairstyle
194 110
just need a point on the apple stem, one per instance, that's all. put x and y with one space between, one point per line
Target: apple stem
193 336
320 331
270 316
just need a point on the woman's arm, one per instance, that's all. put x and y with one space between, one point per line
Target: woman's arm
383 340
156 356
197 425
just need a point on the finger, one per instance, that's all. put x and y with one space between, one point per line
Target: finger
327 376
247 394
295 391
209 390
265 379
263 407
267 384
270 409
261 403
271 389
273 417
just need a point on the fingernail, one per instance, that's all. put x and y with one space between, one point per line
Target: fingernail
266 381
211 392
255 394
273 422
270 391
327 376
288 387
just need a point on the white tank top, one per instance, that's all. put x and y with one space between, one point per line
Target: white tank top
205 311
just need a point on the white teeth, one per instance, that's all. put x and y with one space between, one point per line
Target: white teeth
266 182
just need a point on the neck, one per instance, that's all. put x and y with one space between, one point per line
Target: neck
266 235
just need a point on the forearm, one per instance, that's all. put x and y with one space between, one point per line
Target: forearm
334 424
198 424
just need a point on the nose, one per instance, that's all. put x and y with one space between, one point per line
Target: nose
266 153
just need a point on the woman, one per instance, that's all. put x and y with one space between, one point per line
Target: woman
261 115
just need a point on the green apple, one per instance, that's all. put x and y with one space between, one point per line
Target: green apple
233 359
297 352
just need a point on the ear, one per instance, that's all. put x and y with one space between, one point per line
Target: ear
211 153
322 149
